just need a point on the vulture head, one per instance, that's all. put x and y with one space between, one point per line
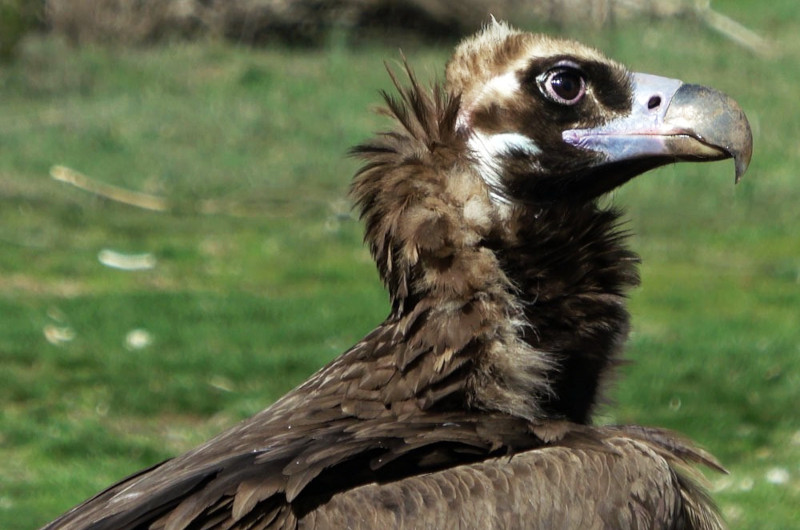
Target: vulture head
551 121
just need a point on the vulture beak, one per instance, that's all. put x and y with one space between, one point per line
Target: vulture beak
671 121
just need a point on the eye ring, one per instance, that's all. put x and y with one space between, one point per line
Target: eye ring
564 85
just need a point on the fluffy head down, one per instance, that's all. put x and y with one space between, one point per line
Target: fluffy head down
514 121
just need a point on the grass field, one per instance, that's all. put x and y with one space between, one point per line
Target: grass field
244 304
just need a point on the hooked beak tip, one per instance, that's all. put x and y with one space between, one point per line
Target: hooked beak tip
717 119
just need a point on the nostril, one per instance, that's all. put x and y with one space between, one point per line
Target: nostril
654 102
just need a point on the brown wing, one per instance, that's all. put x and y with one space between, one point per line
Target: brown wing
604 478
267 483
365 417
416 473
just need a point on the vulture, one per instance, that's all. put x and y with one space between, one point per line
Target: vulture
471 405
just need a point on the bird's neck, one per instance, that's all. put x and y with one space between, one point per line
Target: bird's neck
572 270
531 317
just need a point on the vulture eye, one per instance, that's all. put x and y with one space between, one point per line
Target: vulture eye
564 85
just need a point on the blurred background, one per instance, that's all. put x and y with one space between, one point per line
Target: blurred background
177 248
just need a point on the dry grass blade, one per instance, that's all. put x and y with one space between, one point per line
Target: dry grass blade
109 191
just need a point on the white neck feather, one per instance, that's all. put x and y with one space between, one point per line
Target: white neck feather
489 150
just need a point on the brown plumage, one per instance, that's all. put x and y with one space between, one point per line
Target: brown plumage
470 405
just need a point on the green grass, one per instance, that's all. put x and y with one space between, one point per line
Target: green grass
240 309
